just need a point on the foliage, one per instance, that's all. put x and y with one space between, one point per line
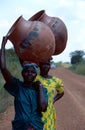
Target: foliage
78 68
77 56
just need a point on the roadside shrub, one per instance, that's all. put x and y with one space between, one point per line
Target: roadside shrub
78 68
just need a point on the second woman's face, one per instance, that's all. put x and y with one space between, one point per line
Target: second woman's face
45 67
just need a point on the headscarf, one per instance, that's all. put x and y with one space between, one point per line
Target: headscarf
35 66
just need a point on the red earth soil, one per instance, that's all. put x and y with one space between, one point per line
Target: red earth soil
70 108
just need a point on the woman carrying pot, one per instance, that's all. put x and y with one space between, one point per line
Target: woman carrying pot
30 98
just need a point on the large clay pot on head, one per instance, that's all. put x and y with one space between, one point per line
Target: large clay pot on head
32 40
57 26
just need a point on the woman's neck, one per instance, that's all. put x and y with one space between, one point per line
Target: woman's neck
30 84
46 76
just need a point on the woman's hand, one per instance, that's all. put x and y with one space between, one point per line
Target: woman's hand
37 85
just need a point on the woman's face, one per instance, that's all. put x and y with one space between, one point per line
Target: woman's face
45 67
29 74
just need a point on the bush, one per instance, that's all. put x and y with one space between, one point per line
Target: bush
78 68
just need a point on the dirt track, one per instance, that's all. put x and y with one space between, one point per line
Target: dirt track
70 109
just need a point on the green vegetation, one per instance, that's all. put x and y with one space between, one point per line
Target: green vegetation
77 56
78 62
78 68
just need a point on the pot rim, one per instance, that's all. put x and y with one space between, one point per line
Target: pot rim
13 27
37 16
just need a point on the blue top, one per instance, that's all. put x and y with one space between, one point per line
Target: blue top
26 106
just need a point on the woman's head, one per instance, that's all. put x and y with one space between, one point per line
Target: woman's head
30 71
45 67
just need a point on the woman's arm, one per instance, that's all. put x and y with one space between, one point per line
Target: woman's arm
42 103
58 96
6 74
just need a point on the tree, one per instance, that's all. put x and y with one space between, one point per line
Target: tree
77 56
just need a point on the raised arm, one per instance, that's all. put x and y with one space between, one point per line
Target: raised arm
6 74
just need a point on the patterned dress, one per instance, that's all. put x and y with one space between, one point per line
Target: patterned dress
53 84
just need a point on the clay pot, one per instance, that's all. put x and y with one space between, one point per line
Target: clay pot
32 40
57 26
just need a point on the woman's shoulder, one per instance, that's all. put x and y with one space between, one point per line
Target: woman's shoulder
56 79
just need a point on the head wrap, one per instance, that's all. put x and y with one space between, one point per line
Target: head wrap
35 66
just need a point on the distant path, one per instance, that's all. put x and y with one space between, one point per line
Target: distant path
70 109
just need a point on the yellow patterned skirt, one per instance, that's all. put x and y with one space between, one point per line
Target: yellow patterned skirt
49 118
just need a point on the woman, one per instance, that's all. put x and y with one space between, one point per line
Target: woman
52 84
30 98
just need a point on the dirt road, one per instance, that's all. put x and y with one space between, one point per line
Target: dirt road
70 109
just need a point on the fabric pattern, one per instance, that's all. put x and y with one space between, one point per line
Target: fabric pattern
54 84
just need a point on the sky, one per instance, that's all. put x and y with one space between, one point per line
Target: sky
71 12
